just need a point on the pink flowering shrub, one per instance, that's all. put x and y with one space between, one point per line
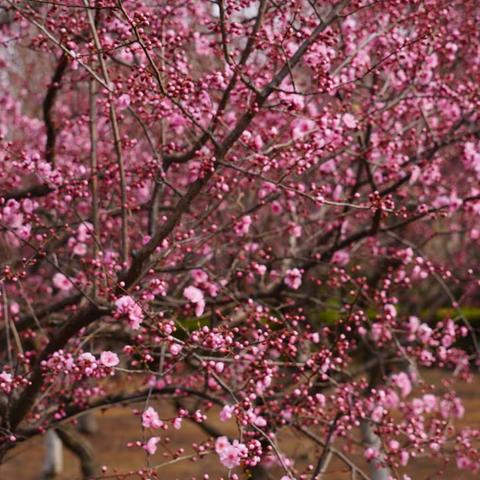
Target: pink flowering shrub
263 215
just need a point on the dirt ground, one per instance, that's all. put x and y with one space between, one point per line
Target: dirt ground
118 427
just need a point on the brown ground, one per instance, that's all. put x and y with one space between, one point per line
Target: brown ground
119 426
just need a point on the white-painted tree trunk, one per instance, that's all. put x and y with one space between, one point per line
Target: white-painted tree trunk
53 462
378 470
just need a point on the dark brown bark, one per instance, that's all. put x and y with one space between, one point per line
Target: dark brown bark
48 105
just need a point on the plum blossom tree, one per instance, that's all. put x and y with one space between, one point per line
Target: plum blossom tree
268 211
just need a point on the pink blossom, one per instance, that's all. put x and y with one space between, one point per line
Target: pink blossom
175 349
195 296
391 399
255 419
276 208
89 363
151 445
371 454
221 444
123 101
463 463
404 457
230 454
6 381
321 399
150 419
87 357
293 278
109 359
341 257
390 310
349 25
230 457
424 332
376 331
62 282
177 122
393 445
349 120
429 402
295 230
377 413
417 406
302 127
199 276
80 249
177 423
227 413
413 324
402 381
426 358
435 446
14 308
84 231
242 227
458 408
453 407
28 205
126 306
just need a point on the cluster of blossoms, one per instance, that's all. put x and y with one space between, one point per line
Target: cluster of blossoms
127 307
13 216
6 382
151 420
293 278
249 416
79 243
85 365
230 454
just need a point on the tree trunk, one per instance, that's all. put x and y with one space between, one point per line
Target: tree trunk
81 448
53 463
378 469
87 423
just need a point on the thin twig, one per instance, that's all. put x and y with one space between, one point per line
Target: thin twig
117 140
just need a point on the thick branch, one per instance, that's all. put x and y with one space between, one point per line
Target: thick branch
81 448
48 105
